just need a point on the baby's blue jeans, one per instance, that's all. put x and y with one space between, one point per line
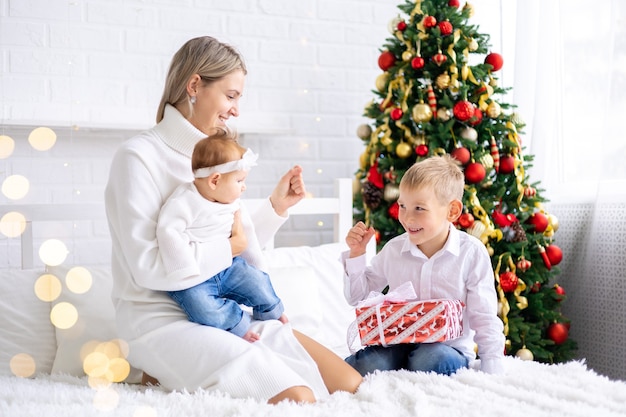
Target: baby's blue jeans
216 301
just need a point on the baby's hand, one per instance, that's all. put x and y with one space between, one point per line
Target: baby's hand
358 237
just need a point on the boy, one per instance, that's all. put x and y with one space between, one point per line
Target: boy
441 262
208 210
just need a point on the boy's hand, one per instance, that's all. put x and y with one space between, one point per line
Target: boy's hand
358 237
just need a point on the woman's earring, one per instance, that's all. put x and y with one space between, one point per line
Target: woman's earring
192 99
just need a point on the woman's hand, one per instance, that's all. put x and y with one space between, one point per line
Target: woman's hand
289 191
238 239
358 237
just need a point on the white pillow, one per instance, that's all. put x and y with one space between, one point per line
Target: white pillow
297 287
95 324
324 261
25 327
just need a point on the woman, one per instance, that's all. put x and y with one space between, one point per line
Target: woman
202 91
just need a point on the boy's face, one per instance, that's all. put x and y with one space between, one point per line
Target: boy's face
230 186
425 218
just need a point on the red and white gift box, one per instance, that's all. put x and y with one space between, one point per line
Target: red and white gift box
390 321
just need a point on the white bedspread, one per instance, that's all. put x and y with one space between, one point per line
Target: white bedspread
527 389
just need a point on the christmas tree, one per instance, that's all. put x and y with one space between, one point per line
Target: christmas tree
438 93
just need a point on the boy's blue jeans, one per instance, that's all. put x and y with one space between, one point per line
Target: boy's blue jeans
215 302
426 357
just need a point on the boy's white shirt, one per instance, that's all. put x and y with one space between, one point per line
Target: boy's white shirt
461 270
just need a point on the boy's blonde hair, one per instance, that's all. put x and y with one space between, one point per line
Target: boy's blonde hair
441 173
216 149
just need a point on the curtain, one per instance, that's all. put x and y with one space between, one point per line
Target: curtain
570 88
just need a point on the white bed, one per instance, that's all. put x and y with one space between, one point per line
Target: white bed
309 280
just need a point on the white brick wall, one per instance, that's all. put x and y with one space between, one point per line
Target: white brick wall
94 70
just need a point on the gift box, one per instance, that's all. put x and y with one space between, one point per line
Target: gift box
393 322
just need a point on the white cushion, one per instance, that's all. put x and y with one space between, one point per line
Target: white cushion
25 327
335 314
96 321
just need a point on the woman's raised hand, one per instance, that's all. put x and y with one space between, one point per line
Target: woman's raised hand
289 191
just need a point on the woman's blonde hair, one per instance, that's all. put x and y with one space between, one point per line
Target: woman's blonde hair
205 56
216 149
441 173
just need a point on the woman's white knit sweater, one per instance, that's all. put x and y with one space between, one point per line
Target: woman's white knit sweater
163 343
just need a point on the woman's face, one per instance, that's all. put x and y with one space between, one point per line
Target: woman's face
217 101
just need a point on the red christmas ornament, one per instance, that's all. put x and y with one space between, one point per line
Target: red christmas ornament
421 150
417 62
538 221
529 191
475 173
375 177
557 332
503 220
401 26
466 220
495 60
555 254
477 117
454 3
396 113
393 210
495 153
523 264
386 60
508 281
536 287
445 28
430 22
544 256
461 154
507 164
559 290
439 58
463 110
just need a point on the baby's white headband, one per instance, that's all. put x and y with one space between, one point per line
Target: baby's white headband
247 161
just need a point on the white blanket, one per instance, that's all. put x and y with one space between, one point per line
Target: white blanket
528 389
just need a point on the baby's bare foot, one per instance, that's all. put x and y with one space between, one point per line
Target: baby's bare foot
251 336
283 319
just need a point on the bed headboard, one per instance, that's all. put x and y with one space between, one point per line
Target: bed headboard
340 206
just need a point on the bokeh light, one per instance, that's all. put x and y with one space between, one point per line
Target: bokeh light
15 187
105 361
63 315
22 365
78 280
7 146
12 224
53 252
48 287
42 138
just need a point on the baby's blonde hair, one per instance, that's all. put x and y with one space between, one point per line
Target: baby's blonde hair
216 149
441 173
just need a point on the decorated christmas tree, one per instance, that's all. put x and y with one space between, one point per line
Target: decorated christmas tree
438 93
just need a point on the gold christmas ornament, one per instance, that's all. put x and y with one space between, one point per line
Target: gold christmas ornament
381 81
553 221
422 113
444 114
391 192
407 55
469 133
403 150
443 81
516 119
494 110
487 161
472 45
525 354
364 131
493 82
